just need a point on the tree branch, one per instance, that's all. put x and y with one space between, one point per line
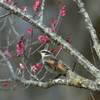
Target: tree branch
72 80
89 26
8 63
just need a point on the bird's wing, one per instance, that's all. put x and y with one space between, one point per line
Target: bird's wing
56 64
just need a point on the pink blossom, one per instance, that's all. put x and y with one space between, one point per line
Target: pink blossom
24 9
37 2
9 1
7 54
33 68
53 30
38 66
5 84
62 13
34 27
19 51
18 46
47 39
22 45
35 7
57 51
41 38
22 36
69 41
19 40
22 66
63 7
60 47
55 21
24 39
15 4
30 31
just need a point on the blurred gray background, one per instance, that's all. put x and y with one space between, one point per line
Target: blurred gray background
72 22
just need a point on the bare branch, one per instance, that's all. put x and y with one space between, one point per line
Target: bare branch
5 15
8 63
89 26
72 80
6 80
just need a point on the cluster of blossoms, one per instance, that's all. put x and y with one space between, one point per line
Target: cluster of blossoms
35 67
53 24
7 54
68 38
20 45
37 5
9 1
63 11
53 50
43 39
15 4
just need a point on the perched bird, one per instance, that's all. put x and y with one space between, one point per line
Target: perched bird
53 64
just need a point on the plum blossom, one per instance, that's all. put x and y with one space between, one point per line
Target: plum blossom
20 46
30 31
37 5
15 4
7 54
22 66
63 9
9 1
43 38
5 84
24 9
34 68
62 13
38 66
53 24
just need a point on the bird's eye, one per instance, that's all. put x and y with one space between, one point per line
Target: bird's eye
47 53
43 51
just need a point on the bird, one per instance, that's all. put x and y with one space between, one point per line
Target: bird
52 64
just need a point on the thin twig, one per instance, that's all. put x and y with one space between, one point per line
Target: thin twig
92 96
93 54
8 63
5 15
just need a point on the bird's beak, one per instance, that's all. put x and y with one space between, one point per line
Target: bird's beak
39 51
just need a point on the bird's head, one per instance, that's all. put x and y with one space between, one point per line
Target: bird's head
45 53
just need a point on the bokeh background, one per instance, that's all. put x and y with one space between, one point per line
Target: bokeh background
72 22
